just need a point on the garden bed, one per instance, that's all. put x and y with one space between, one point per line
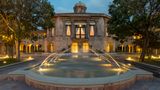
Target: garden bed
8 61
153 62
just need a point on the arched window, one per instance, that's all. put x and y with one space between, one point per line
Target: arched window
68 30
92 31
80 31
52 31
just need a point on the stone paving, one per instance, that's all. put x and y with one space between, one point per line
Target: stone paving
14 85
139 85
146 85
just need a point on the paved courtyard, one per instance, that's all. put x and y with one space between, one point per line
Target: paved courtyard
18 85
14 85
139 85
146 85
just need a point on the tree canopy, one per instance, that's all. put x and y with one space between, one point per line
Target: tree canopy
21 17
130 17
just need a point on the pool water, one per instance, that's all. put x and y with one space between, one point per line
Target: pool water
79 66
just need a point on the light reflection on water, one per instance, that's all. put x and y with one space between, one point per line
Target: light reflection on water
79 67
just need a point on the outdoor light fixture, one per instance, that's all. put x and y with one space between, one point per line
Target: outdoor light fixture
30 58
47 64
118 69
130 59
155 57
129 64
4 62
4 57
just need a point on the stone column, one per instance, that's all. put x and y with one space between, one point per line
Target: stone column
26 48
87 30
156 51
122 46
129 48
100 27
72 30
29 48
114 46
45 45
51 47
4 49
47 32
36 47
132 49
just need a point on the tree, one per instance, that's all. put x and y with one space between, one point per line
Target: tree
131 17
28 15
6 34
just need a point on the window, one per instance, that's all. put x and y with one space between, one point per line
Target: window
85 47
68 30
92 32
52 32
80 31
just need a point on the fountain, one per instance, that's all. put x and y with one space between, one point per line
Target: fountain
75 71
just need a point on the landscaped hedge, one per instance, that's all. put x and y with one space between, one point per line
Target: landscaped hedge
8 61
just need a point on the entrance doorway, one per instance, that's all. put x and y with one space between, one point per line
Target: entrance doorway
85 47
74 47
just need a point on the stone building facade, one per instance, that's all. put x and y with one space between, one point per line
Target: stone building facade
79 31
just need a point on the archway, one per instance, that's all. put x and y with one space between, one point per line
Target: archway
109 48
32 48
50 47
24 48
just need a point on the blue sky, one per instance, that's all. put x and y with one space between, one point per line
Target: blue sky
95 6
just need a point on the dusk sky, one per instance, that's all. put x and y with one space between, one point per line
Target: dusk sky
95 6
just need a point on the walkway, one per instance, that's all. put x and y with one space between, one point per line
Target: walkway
17 85
146 85
139 85
14 85
38 59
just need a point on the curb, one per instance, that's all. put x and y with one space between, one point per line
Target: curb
151 65
148 67
146 64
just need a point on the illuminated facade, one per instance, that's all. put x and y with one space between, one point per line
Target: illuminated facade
79 31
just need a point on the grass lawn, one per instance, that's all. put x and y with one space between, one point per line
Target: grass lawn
8 61
153 62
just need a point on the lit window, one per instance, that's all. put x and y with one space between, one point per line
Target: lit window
68 30
78 31
52 32
82 31
92 31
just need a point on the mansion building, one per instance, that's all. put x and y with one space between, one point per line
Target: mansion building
79 31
